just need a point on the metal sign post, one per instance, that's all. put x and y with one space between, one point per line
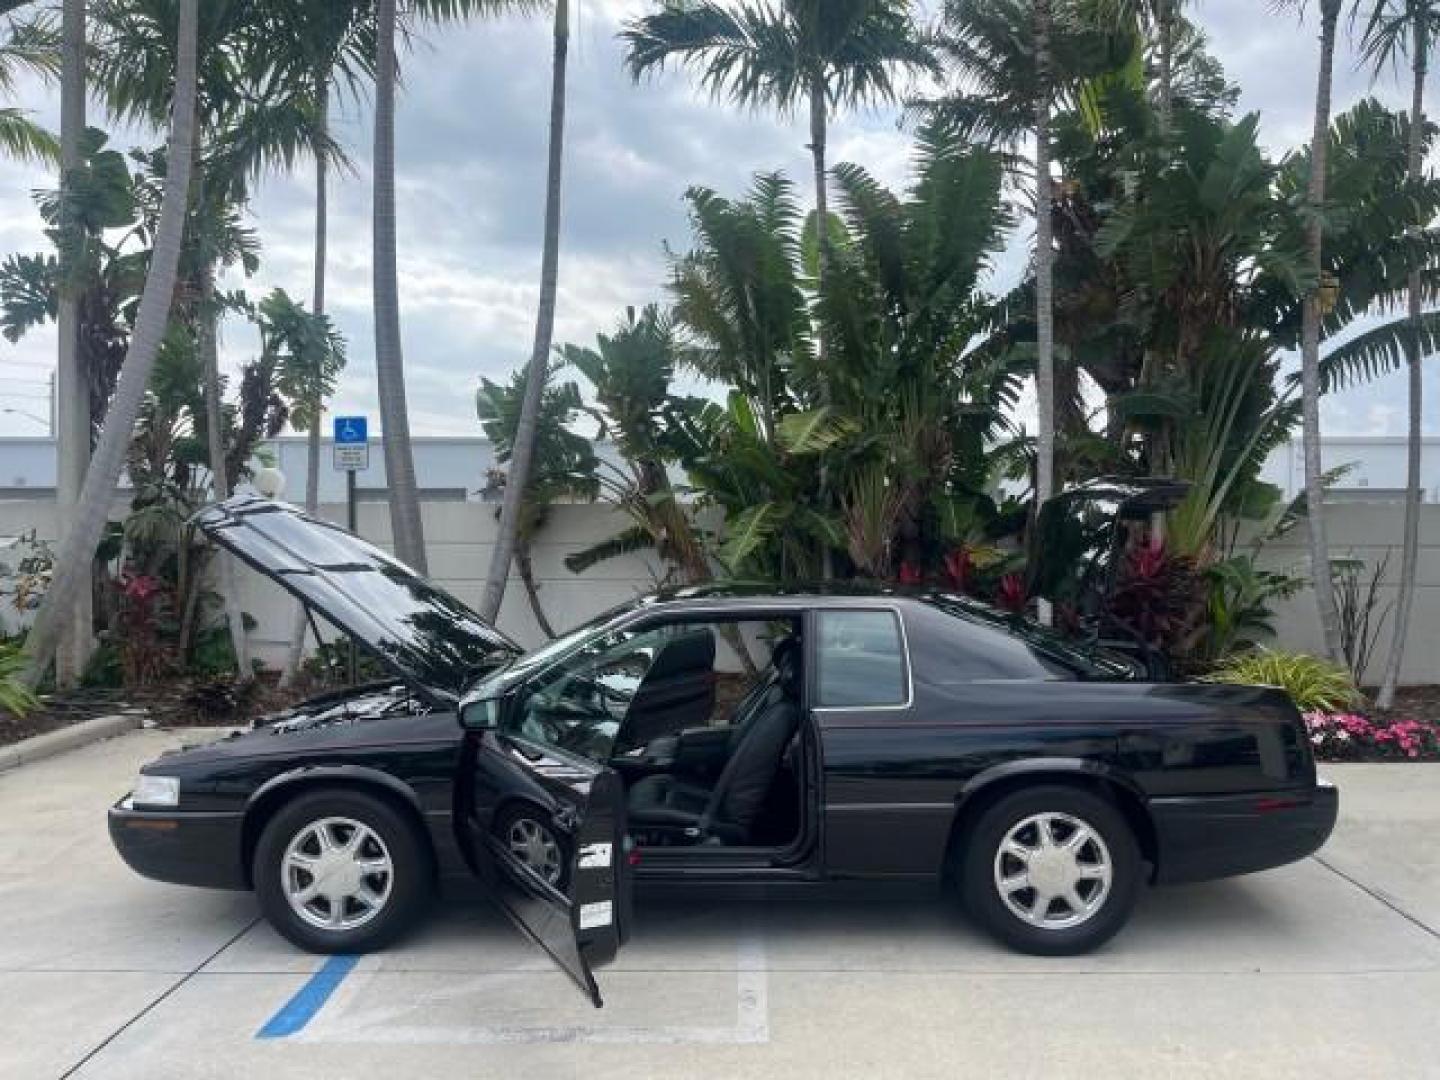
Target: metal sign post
352 454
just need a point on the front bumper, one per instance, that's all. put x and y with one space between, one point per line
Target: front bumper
1216 836
183 847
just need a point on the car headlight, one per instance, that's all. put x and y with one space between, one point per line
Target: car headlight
156 790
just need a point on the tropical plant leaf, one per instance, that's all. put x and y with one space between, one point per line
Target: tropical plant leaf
626 542
747 533
815 431
1149 404
1314 685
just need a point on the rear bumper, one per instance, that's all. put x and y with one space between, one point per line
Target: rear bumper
180 847
1215 836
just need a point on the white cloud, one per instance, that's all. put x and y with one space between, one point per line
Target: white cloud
471 132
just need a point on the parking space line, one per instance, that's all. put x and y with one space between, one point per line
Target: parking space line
338 1022
309 999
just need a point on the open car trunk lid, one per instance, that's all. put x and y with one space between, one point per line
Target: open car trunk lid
428 637
1079 534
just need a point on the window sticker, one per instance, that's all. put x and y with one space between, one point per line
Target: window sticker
593 915
595 856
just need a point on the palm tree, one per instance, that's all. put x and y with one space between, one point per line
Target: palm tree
405 524
72 564
526 432
334 42
1019 58
249 118
1310 387
785 54
1384 42
72 399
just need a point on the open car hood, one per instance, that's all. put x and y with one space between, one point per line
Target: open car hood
428 637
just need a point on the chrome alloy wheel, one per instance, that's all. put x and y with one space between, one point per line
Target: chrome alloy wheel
535 846
1053 871
337 873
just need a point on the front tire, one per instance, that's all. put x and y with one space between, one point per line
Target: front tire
341 872
532 839
1051 870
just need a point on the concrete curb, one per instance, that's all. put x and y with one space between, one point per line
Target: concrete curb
40 747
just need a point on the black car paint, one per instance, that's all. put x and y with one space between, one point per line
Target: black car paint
1215 780
1195 760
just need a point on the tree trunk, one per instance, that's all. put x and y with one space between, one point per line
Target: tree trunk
209 317
526 568
1310 345
1414 492
1044 274
1165 31
819 130
300 623
818 136
189 598
525 429
405 521
72 385
82 537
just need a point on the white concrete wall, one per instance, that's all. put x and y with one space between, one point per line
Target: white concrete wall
458 536
460 462
1367 531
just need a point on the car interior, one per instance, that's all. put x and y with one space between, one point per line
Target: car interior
710 745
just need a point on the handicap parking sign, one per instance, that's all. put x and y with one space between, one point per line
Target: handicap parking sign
351 431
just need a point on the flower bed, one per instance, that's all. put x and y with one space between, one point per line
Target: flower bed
1353 737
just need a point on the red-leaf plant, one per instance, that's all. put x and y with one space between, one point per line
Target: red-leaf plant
1155 595
1010 594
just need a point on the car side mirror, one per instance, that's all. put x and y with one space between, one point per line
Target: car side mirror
483 715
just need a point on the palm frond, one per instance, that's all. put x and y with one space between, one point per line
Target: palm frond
22 138
1377 352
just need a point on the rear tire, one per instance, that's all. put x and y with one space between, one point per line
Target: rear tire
1050 870
341 872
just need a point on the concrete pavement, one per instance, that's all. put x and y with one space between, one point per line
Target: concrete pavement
1320 969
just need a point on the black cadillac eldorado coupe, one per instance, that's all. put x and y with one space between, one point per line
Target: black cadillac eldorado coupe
712 735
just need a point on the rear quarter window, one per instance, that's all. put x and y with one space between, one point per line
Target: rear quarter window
861 660
957 645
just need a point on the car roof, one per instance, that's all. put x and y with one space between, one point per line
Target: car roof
759 594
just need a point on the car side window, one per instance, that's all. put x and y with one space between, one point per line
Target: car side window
860 660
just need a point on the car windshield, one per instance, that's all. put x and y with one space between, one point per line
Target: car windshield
495 682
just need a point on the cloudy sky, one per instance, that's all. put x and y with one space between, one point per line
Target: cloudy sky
471 130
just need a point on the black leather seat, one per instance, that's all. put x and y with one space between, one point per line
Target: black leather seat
678 690
728 811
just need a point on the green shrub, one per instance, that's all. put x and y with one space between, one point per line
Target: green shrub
1315 685
15 696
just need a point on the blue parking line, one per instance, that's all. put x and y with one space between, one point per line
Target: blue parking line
309 999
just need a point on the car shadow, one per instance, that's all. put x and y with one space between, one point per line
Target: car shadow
907 926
